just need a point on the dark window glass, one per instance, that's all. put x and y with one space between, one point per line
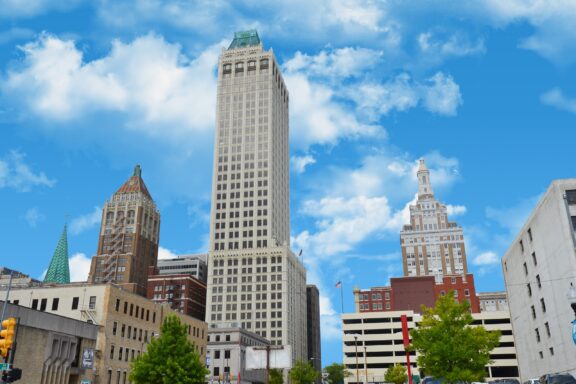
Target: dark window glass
571 196
75 302
55 302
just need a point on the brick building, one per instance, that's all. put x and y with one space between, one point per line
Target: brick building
180 291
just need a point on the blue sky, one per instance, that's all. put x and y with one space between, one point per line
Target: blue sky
484 90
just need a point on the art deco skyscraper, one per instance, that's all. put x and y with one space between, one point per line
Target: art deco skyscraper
431 245
254 279
129 236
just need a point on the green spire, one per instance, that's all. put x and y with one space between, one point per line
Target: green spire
58 271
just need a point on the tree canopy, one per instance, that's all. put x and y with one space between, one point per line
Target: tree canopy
170 358
448 346
336 373
303 373
396 374
276 376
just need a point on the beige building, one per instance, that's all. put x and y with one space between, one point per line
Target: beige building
539 268
50 349
126 321
129 236
493 301
254 279
372 342
431 245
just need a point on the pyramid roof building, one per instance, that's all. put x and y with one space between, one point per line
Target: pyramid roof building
59 270
135 184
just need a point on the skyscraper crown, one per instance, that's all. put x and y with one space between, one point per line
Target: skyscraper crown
135 184
59 271
245 39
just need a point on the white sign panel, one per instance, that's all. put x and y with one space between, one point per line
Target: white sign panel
280 357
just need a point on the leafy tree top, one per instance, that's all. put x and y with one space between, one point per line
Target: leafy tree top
448 346
396 374
303 373
170 358
336 373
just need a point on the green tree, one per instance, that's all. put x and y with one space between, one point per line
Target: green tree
336 373
396 374
448 346
303 373
170 358
276 376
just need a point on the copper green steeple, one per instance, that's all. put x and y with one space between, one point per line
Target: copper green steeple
59 271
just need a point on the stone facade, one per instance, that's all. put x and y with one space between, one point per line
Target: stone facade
126 321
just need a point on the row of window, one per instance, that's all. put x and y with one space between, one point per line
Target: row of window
136 311
42 304
250 65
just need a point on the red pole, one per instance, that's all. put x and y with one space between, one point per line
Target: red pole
406 340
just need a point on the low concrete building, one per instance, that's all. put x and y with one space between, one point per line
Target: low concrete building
493 301
19 279
195 265
372 343
538 269
50 349
226 356
126 321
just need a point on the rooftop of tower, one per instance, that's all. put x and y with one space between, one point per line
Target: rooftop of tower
244 39
135 184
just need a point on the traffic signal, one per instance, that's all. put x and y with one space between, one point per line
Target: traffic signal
7 335
14 374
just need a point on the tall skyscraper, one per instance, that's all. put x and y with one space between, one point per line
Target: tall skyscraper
254 279
313 328
431 245
129 236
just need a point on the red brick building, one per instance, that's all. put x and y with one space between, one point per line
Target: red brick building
410 293
182 291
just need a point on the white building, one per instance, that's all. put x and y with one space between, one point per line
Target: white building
492 301
431 245
538 269
254 279
226 355
195 265
372 342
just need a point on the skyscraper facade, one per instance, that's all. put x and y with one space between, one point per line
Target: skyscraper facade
431 245
254 279
129 236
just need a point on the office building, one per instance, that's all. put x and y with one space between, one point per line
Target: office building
50 349
194 265
129 236
226 356
126 321
493 301
410 293
254 278
538 269
431 245
313 327
179 290
372 343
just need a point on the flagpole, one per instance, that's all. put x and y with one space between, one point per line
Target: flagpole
341 298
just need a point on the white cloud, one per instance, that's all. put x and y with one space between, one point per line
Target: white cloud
164 253
455 210
16 174
556 98
438 94
79 267
30 8
337 63
440 44
33 216
85 222
299 163
486 258
514 216
157 89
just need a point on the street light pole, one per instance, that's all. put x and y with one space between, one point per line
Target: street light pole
356 345
365 365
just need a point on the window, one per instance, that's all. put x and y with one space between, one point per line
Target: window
543 305
537 332
43 304
55 302
117 305
114 328
216 354
529 289
534 258
453 280
112 351
571 196
75 302
530 234
525 269
551 349
522 246
547 328
533 311
467 292
227 354
541 354
92 304
538 281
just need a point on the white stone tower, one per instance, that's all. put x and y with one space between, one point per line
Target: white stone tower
254 280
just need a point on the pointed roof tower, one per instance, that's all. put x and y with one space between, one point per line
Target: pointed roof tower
59 271
135 184
424 185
